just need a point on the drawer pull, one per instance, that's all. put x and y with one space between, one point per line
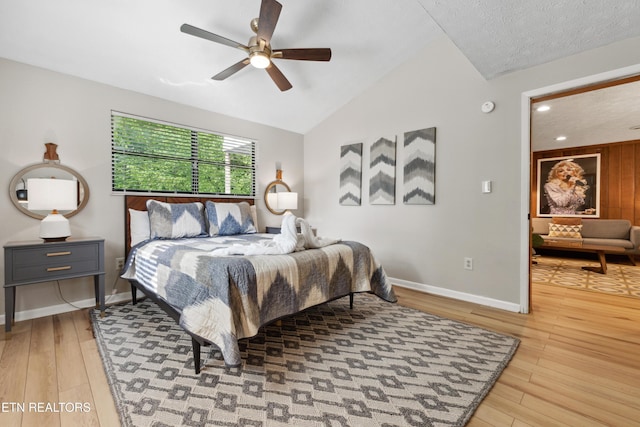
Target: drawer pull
59 253
66 267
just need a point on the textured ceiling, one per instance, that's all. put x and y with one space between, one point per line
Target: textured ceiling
137 45
500 36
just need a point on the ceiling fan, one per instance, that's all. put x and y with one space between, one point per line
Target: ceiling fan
260 53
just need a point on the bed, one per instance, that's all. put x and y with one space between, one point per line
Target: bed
218 298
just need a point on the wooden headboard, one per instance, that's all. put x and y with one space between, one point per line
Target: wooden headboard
140 203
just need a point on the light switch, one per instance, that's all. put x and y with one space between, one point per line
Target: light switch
486 186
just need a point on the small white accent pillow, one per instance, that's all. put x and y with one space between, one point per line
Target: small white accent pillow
254 217
139 228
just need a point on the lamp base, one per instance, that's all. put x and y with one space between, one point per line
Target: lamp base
54 228
55 239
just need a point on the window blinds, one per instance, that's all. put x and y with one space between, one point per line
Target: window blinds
159 157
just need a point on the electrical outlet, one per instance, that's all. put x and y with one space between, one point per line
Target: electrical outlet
119 264
468 263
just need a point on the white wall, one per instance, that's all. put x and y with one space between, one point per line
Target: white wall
38 106
424 246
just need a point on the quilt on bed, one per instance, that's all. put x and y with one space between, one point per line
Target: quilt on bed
225 298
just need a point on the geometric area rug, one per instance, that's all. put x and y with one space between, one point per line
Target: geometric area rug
379 364
621 278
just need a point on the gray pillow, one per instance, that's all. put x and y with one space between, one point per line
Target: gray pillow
227 219
175 220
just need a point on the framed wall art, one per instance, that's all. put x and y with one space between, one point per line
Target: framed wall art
382 172
351 174
569 186
420 167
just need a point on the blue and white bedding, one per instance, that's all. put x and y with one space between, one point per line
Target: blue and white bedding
226 298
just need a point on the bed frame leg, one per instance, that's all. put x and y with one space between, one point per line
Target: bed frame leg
196 354
351 300
134 295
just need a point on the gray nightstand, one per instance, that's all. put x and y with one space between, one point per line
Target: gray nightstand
31 262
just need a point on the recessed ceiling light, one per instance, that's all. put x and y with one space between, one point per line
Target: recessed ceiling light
561 138
543 108
637 127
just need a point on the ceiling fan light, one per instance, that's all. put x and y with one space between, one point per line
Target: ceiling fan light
259 60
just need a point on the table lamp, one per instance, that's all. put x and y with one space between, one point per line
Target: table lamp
287 200
51 194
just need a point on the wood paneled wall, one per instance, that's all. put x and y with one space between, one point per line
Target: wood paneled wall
619 177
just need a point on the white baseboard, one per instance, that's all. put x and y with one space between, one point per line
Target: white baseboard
490 302
65 308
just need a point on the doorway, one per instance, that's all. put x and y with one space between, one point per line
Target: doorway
528 98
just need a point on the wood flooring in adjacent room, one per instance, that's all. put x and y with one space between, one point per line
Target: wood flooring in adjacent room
578 363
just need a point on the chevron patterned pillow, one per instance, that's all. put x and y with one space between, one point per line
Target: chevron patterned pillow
175 220
565 230
228 219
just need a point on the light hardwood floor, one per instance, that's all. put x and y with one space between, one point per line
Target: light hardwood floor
578 363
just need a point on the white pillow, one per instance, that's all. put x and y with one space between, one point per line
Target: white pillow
254 216
139 228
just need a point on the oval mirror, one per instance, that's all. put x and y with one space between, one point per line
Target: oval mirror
273 188
19 192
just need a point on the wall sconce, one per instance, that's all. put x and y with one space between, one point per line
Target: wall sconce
50 154
50 194
278 196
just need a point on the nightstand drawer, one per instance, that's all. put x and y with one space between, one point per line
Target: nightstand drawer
55 270
48 263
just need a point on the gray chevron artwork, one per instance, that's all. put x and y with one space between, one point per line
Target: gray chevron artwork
351 174
420 167
382 181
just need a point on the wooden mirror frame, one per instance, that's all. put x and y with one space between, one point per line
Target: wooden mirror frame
19 176
272 185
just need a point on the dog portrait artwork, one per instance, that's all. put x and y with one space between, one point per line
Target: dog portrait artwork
567 186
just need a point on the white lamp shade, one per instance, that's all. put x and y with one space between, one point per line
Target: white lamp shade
287 200
272 199
48 194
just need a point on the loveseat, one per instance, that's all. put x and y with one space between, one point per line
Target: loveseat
606 232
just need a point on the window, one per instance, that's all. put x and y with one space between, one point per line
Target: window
160 157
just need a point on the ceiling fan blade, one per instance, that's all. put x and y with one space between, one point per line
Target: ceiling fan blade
316 54
231 70
279 79
269 14
194 31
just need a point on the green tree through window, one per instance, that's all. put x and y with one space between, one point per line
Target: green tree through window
153 156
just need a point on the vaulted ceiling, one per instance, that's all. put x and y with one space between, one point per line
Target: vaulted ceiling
137 45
